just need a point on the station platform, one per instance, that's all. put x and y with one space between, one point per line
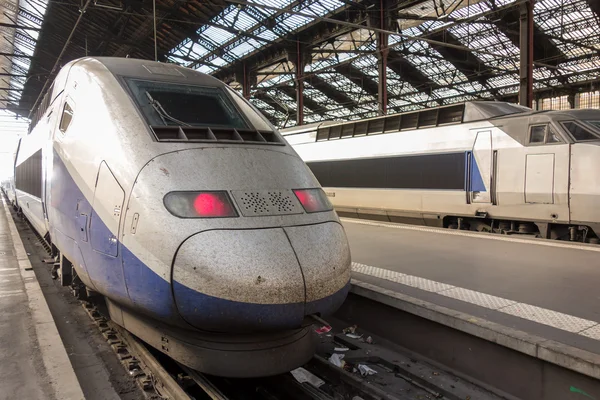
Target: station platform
33 361
543 288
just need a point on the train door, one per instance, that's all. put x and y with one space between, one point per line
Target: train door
481 168
108 200
47 160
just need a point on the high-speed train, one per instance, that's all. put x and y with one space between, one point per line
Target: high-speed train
486 166
8 188
176 200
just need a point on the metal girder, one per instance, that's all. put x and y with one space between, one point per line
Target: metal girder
225 47
381 19
30 17
24 27
527 54
357 77
109 31
308 102
464 61
275 104
595 6
12 75
331 92
15 55
409 73
275 21
544 49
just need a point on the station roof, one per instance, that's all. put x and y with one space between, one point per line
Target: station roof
441 52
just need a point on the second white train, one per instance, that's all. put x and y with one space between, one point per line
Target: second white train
488 166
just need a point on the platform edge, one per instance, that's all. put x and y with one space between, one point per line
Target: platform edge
54 355
569 357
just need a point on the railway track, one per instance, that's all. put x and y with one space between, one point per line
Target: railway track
395 375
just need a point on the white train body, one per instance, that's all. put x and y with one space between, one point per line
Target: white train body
480 165
187 228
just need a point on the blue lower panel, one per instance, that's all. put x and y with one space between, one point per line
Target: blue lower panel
147 289
68 213
329 304
212 313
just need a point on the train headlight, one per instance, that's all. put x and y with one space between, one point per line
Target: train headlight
313 200
200 204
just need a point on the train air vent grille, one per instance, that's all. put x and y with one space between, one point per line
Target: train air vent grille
211 135
266 202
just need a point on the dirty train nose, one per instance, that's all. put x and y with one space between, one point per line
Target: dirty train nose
261 279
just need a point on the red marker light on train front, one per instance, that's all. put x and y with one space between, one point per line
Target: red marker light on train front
213 205
200 204
313 200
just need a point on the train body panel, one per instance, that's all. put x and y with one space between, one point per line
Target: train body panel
585 184
110 176
520 167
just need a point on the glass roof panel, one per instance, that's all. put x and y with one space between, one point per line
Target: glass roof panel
245 47
217 35
431 63
571 26
341 83
19 41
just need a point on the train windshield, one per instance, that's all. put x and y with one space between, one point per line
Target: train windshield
582 133
166 103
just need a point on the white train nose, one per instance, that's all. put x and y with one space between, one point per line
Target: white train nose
239 279
260 279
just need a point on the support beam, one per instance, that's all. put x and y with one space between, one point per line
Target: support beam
333 93
275 104
307 102
357 77
23 27
410 74
15 55
297 57
247 79
526 46
510 24
13 75
380 18
464 61
595 6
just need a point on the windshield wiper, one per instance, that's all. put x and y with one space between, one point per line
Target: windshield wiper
162 113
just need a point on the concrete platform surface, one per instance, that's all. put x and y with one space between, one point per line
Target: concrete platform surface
33 360
548 289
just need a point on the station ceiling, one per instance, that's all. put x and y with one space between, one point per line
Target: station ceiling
440 51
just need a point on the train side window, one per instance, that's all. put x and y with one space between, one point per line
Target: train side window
537 134
552 137
578 132
66 118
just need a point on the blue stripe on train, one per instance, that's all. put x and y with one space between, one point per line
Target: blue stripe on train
476 180
214 313
477 184
127 280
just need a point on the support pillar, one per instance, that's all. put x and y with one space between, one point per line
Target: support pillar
247 79
526 47
299 59
381 20
571 100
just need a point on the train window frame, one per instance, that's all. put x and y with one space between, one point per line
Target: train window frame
556 133
582 126
531 131
71 106
127 82
548 132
